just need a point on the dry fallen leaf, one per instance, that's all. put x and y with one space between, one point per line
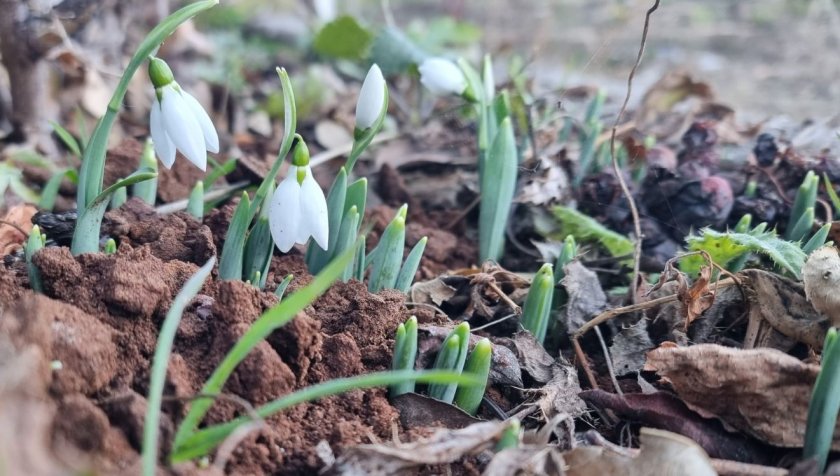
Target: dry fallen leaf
443 447
697 298
762 392
17 220
586 298
662 452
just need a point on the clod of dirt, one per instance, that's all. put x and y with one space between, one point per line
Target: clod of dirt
178 236
131 283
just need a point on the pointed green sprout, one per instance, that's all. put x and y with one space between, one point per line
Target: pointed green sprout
817 240
498 183
832 195
93 162
359 260
452 356
161 359
825 404
110 247
409 268
386 265
743 226
147 191
468 397
119 197
230 264
281 288
806 197
803 226
511 436
537 310
259 248
195 203
568 252
347 237
405 351
35 242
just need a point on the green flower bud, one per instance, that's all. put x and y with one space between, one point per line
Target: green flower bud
159 73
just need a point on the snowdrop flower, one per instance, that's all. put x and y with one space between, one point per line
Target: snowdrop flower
298 208
371 100
442 76
178 121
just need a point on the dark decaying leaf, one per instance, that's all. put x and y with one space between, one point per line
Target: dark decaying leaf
443 447
560 396
586 298
667 412
422 411
531 460
762 392
629 348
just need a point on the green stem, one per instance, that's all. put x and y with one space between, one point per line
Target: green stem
93 162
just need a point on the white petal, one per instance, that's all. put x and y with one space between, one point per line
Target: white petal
164 147
371 98
183 127
442 76
284 212
208 130
325 10
313 210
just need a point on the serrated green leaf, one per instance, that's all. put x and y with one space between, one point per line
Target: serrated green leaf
343 38
586 228
725 247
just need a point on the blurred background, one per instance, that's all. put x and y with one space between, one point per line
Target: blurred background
762 58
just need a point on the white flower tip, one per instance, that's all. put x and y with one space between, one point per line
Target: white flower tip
441 76
371 98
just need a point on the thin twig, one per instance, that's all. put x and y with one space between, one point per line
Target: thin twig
494 322
504 297
15 226
463 214
637 226
608 361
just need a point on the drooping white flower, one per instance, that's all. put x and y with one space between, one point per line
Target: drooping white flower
298 208
177 120
371 98
442 76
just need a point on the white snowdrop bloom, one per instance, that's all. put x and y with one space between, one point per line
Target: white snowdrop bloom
298 207
325 10
442 76
371 99
178 121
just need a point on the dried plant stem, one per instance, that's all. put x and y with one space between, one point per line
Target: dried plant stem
504 297
637 227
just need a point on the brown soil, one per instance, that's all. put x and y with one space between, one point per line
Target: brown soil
100 317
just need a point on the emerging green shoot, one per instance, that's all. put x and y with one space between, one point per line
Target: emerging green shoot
195 203
537 310
452 356
806 197
511 436
110 247
281 288
409 268
119 198
405 351
468 397
230 264
817 240
498 183
389 253
35 242
825 404
161 359
147 191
